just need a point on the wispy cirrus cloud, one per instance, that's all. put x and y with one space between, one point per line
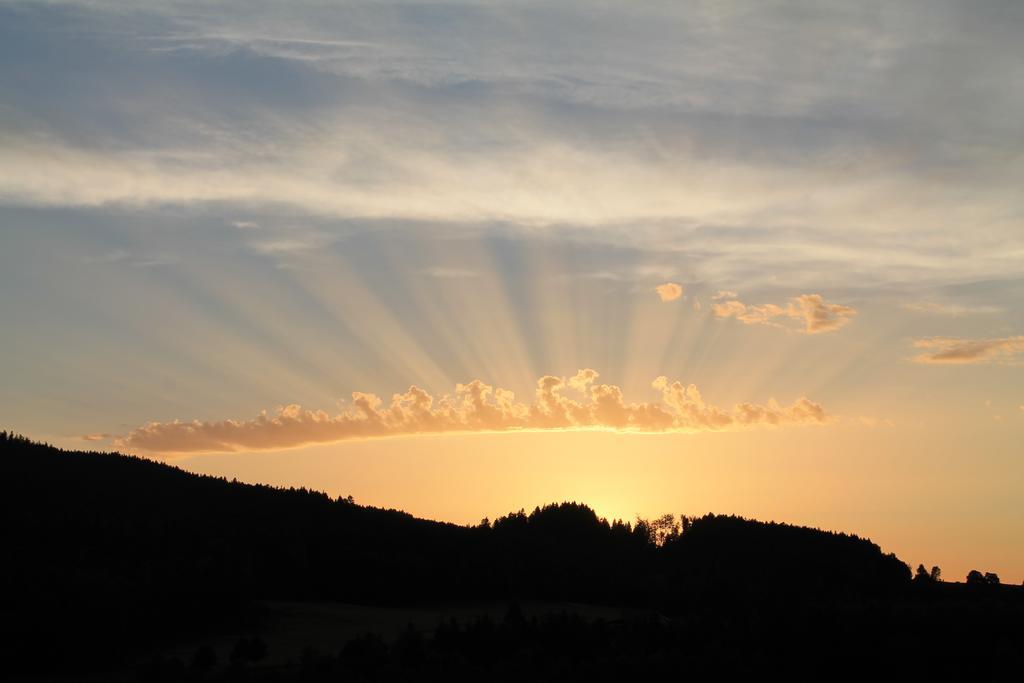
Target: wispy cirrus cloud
955 351
97 437
948 310
293 240
815 314
125 257
474 407
363 110
445 273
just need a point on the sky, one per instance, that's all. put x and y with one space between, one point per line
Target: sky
466 257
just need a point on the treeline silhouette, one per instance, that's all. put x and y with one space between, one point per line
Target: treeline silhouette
922 642
107 553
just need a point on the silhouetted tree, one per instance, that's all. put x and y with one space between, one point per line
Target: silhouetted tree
664 529
976 578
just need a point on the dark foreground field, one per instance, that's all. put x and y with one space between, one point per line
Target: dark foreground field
118 568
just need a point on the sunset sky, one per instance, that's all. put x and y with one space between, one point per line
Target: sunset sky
465 257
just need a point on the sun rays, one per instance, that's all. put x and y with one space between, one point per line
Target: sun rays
432 313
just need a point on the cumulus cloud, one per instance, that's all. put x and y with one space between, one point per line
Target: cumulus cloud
669 291
724 294
815 314
967 351
474 407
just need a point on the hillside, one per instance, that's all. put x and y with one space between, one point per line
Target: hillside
110 553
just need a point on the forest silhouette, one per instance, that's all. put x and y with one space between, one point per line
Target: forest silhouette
107 556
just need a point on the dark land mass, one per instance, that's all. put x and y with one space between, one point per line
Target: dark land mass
121 568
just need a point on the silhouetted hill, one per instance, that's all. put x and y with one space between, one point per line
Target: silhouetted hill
105 517
107 552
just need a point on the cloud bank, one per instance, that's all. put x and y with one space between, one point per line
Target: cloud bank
815 314
867 166
949 350
474 407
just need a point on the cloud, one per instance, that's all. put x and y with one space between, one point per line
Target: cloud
669 291
122 256
474 407
96 437
951 350
295 241
443 273
724 294
816 314
872 422
950 310
368 110
246 225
